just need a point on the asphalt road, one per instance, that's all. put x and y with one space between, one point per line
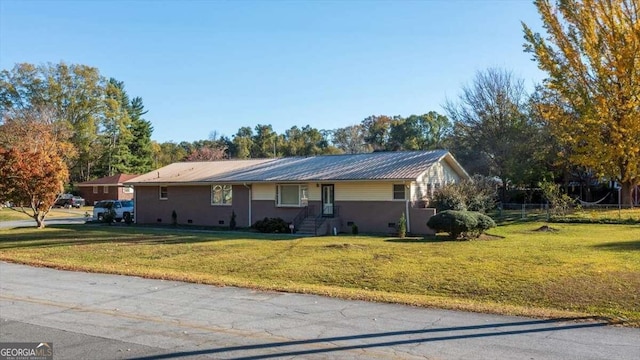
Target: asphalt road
97 316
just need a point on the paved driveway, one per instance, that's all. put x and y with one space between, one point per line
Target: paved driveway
71 216
53 221
97 316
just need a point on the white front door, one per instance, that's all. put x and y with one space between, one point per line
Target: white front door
327 200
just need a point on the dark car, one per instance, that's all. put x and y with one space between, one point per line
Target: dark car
70 201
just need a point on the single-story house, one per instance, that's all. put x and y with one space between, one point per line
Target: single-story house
318 194
106 188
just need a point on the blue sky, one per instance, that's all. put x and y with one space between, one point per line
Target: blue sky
204 66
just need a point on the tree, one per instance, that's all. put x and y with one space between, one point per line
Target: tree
376 129
305 141
418 132
559 202
140 146
243 143
264 142
293 143
167 153
491 127
76 93
351 139
109 134
207 153
116 131
590 55
32 154
214 148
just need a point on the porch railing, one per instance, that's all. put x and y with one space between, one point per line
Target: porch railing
303 214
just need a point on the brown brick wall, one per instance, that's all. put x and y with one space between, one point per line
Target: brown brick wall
267 208
194 203
115 193
370 216
190 203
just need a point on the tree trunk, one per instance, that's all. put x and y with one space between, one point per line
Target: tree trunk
39 220
626 193
503 192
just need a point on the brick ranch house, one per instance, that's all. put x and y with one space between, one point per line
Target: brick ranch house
106 188
316 194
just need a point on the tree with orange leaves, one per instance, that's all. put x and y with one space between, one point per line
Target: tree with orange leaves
33 149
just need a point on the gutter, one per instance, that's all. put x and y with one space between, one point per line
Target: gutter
250 202
135 207
408 216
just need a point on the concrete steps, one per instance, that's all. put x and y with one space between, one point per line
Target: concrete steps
307 227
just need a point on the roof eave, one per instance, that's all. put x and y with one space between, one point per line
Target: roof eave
236 182
455 165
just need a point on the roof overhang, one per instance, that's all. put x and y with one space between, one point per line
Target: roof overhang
92 185
455 165
320 181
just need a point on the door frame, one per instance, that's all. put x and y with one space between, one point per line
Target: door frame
332 194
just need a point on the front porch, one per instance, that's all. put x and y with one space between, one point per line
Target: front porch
313 223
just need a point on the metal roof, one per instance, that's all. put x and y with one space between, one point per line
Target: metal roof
196 171
117 179
401 165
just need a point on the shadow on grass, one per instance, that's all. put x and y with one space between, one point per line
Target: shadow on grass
426 239
100 234
620 246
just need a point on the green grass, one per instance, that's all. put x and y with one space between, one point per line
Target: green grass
7 214
583 215
611 215
578 270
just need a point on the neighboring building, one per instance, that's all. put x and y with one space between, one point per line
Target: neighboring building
106 188
317 193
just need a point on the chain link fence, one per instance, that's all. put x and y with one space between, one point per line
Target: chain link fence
507 212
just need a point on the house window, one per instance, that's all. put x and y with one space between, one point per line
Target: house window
164 193
95 189
221 194
399 192
291 195
127 190
105 189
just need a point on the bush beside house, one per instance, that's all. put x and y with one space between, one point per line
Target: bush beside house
476 194
461 224
271 225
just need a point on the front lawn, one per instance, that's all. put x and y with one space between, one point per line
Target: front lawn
8 214
600 214
579 269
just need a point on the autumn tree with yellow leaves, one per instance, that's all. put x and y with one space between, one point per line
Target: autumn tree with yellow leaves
591 53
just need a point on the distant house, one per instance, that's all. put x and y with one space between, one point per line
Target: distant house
106 188
317 194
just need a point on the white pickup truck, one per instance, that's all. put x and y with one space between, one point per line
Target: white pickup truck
123 209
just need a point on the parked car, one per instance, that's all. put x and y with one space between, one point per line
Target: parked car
123 209
69 201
